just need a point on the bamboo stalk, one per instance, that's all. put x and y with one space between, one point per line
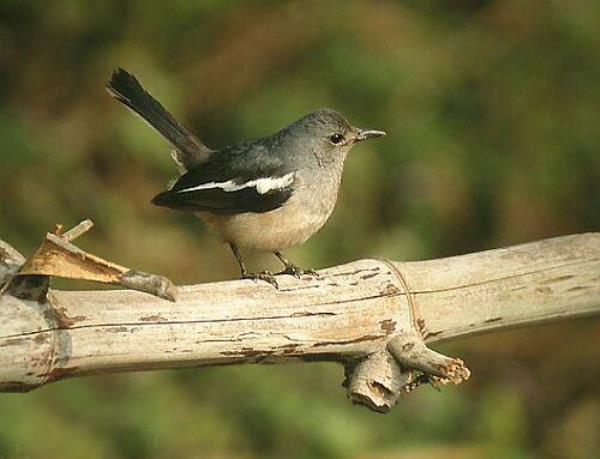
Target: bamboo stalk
350 313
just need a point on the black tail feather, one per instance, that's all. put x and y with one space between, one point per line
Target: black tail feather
127 89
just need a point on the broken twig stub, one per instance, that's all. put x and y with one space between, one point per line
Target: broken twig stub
56 256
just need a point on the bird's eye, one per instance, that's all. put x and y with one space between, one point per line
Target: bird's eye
336 138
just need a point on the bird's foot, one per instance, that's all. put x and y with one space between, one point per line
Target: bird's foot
293 270
266 276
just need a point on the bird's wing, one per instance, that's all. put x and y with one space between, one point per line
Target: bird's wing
232 184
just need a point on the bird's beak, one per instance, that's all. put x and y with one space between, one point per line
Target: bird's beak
364 134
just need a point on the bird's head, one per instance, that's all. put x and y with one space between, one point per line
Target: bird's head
329 134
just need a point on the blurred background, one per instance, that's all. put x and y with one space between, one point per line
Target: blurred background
492 113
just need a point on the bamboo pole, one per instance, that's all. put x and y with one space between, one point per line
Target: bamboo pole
373 316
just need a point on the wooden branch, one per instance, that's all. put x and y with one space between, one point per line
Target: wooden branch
373 316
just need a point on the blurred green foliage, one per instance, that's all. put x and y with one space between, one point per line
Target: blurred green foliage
492 110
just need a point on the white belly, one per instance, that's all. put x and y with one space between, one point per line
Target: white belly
289 225
299 218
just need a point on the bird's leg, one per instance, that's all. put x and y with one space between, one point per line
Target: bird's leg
265 275
238 258
291 268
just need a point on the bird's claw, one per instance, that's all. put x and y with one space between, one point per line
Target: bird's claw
266 276
293 270
311 272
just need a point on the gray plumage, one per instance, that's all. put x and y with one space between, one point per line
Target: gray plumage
266 194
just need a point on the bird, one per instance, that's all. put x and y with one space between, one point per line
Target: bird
266 194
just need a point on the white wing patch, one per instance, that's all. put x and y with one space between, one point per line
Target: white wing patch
262 185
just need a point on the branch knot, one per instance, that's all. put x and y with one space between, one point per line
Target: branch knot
405 362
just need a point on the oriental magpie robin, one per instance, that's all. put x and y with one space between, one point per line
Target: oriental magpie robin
266 194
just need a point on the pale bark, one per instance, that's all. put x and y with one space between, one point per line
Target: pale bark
370 315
